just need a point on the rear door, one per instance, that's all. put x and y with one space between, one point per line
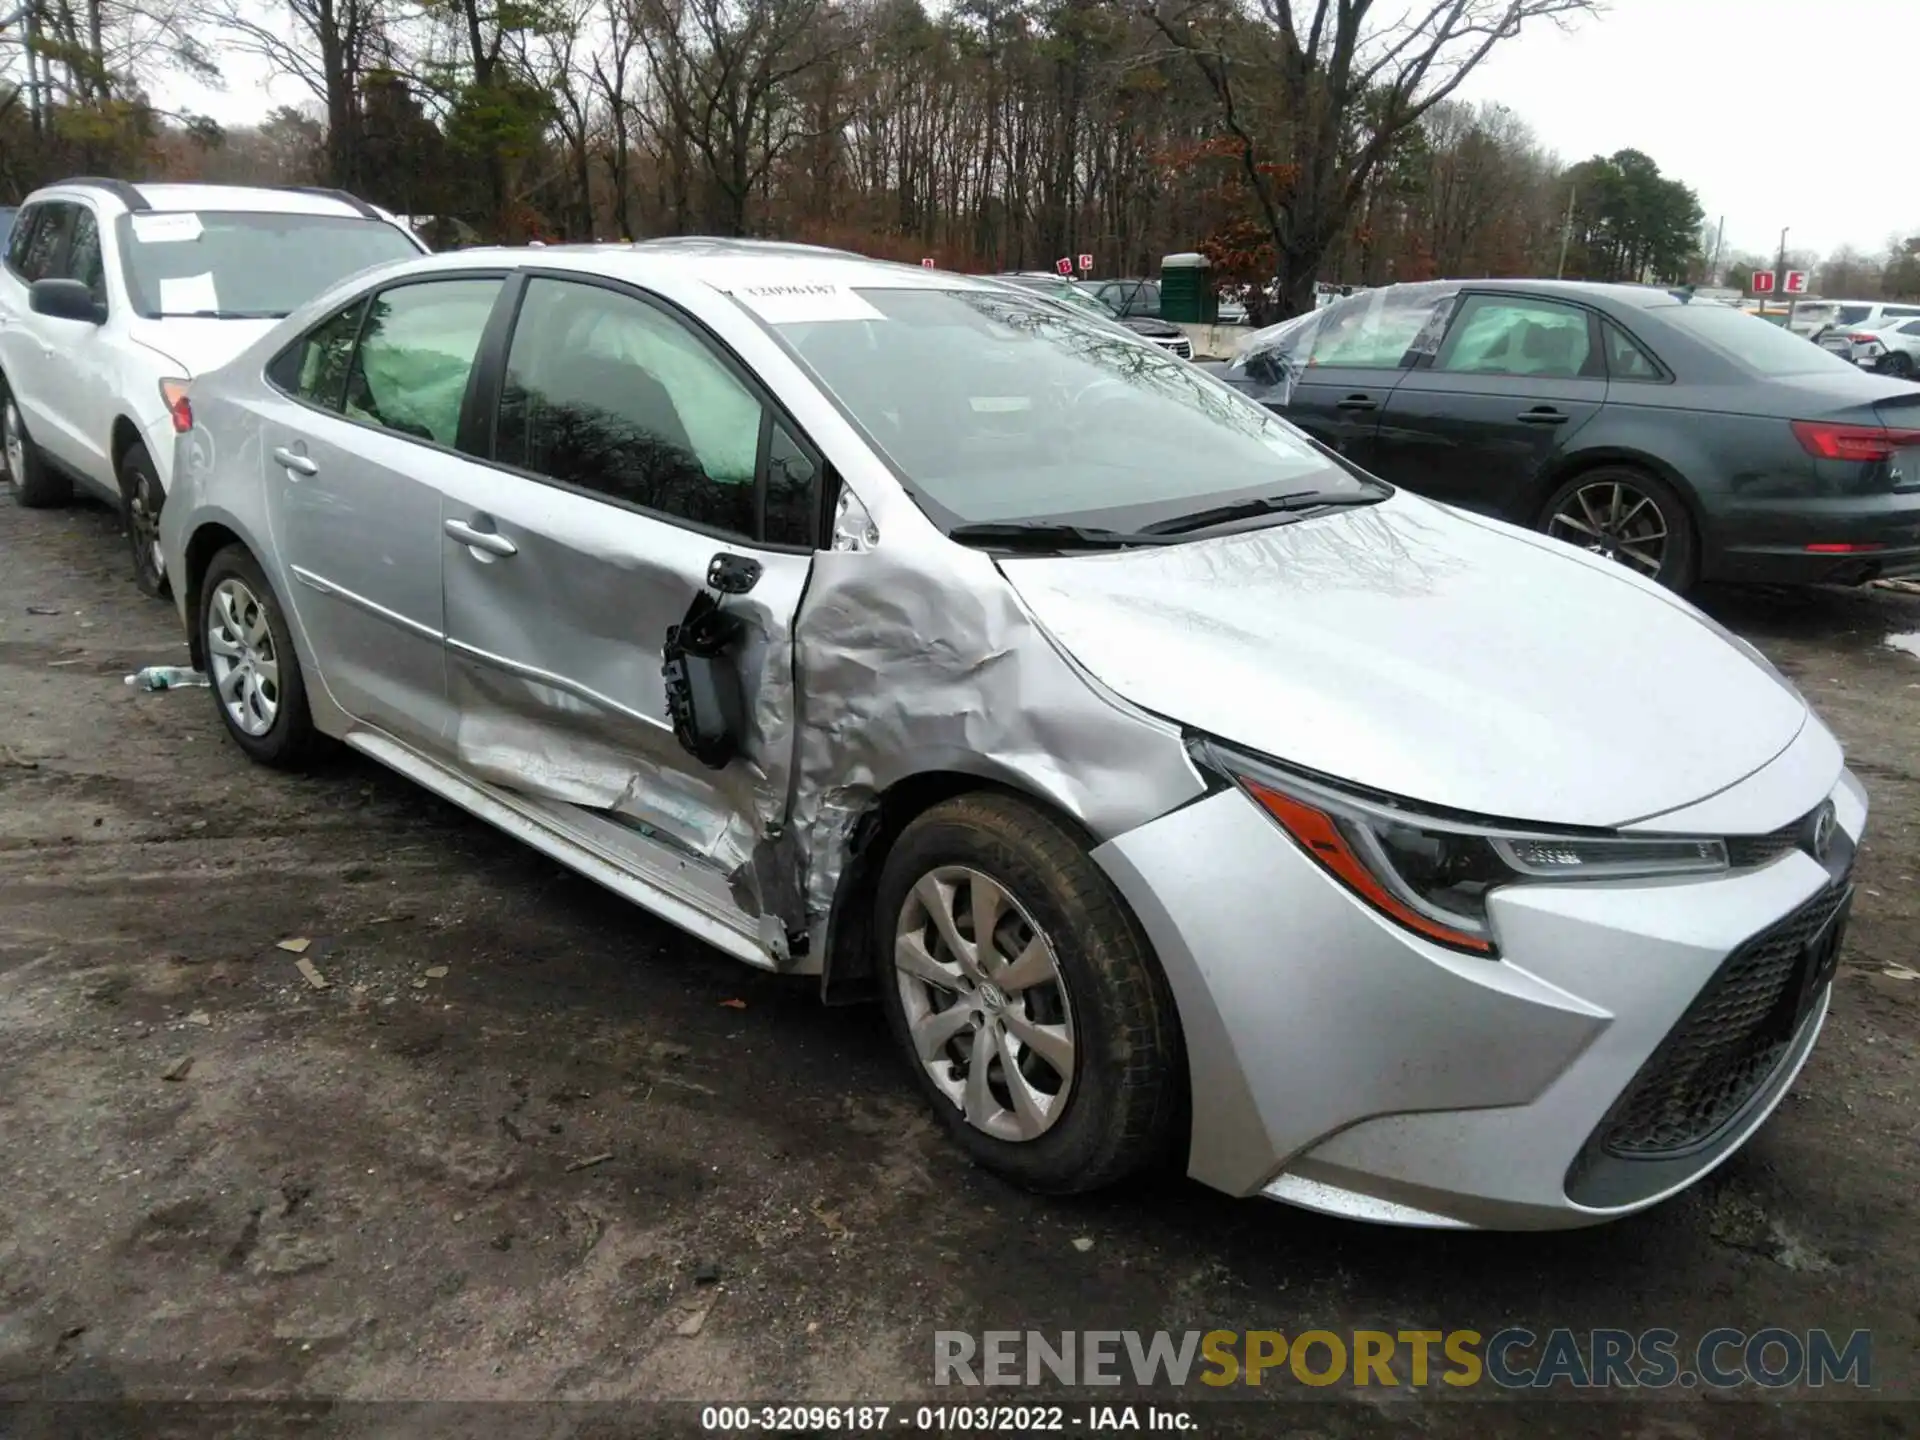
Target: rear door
1360 348
1515 379
365 432
630 453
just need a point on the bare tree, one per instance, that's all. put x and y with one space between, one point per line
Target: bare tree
328 46
1342 85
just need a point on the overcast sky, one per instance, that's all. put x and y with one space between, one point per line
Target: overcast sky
1777 112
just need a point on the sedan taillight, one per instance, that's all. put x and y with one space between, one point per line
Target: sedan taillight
1828 441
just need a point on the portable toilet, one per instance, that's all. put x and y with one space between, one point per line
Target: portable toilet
1186 290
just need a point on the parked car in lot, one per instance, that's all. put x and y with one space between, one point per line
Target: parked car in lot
1172 781
1168 337
114 296
1892 347
1689 442
1814 318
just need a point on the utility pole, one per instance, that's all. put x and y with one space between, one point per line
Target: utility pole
1780 276
1566 234
1719 234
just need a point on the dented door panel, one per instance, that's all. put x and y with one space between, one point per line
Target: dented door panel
554 657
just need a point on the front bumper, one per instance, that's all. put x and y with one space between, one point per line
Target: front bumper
1341 1063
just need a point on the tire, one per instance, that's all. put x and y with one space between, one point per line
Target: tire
1583 512
36 484
235 599
141 500
1091 978
1899 365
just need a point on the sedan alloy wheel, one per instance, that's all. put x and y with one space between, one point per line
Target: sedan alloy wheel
1614 518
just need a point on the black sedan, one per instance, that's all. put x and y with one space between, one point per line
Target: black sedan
1683 438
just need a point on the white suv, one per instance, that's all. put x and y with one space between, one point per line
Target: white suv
114 296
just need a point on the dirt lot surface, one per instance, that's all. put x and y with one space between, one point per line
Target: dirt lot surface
530 1143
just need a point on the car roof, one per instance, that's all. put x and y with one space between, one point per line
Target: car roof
1645 297
722 264
258 199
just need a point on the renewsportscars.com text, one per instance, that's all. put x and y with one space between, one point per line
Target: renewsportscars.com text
1515 1358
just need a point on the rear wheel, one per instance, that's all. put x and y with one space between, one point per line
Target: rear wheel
1629 516
140 500
257 684
35 484
1898 363
1025 997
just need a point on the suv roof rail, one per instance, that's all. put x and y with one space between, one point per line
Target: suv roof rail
126 194
366 211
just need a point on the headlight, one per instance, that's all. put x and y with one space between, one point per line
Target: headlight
1432 874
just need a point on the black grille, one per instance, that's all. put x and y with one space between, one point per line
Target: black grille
1724 1047
1745 852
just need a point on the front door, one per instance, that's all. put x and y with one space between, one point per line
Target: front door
629 454
357 449
1514 380
1360 348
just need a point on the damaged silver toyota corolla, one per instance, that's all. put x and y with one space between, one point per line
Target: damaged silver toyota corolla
1171 782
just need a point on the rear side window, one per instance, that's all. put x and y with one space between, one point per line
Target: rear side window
1625 359
1853 314
1899 312
1750 343
314 369
1507 335
417 348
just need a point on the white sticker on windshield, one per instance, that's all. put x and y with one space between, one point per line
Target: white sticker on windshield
162 229
188 294
800 304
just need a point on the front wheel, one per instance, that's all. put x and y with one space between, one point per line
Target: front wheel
1025 997
140 500
257 684
1629 516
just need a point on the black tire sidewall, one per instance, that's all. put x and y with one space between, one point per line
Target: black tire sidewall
35 487
146 574
1076 1149
1681 564
290 739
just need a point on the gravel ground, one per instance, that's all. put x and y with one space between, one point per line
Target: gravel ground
530 1143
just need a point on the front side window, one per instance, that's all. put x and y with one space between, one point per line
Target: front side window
42 236
609 393
995 408
1507 335
235 265
83 255
1899 312
1375 330
417 348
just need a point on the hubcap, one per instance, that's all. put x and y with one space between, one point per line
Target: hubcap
985 1003
241 655
1615 520
15 443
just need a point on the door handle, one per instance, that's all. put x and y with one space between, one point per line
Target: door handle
296 462
1543 415
491 541
1358 402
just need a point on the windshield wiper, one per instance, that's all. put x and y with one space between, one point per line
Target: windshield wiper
1046 535
1295 500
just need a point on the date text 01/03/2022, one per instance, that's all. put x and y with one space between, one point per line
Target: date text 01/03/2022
943 1419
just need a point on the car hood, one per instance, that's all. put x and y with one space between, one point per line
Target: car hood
1146 325
1414 650
197 346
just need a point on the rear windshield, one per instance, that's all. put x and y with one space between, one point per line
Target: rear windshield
232 266
1751 342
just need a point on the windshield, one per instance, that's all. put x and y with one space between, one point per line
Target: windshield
996 409
252 266
1749 341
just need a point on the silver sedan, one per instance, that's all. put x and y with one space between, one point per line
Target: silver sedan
1178 789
